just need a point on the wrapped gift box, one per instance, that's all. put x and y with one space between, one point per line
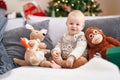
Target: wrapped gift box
31 8
113 55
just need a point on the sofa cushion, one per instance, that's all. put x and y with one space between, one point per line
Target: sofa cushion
110 26
11 39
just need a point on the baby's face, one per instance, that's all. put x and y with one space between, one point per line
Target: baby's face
74 24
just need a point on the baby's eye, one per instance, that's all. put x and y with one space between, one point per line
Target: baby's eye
71 23
77 24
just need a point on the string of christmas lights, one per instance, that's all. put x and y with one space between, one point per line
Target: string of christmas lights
61 8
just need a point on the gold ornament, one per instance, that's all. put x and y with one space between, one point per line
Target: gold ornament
63 0
66 1
57 9
55 4
58 1
72 4
94 5
93 0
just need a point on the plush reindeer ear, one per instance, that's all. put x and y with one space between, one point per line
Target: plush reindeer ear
44 31
29 27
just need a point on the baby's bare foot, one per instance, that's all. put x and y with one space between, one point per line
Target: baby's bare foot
54 65
58 60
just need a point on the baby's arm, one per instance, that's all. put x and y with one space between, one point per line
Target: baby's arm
56 53
70 61
56 56
78 51
80 47
57 49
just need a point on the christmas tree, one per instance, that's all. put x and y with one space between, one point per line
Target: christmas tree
61 8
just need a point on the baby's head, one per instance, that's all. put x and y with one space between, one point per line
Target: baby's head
75 22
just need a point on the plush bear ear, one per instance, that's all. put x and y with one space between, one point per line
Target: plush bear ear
29 27
100 30
94 27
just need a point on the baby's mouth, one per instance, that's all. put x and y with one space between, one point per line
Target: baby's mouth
73 29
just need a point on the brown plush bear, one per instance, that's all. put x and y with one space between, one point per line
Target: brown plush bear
35 49
99 42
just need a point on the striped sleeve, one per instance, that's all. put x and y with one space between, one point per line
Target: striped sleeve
80 47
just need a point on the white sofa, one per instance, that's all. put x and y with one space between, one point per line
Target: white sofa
96 69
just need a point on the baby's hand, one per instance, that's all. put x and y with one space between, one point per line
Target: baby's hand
57 57
55 54
70 61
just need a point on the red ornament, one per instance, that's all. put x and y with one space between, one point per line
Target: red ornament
65 6
3 5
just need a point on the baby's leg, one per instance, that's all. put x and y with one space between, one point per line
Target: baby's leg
51 64
45 63
79 62
58 59
54 65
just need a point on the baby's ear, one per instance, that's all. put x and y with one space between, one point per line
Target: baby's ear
29 27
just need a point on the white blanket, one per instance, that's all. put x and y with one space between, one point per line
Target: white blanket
95 69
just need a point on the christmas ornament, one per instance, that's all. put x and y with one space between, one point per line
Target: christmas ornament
65 6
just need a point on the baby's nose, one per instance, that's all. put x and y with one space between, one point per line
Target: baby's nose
74 25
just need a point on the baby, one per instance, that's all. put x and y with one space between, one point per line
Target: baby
68 53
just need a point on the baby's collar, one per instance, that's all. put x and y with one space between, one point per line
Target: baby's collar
75 36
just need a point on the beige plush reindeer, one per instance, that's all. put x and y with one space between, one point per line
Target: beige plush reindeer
35 49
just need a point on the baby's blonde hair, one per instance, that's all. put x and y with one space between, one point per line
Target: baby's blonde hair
76 13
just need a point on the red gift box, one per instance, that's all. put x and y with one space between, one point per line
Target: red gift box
32 9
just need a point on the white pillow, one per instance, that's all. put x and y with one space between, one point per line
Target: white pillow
57 26
14 23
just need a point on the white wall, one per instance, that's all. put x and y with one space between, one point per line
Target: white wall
109 7
16 5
